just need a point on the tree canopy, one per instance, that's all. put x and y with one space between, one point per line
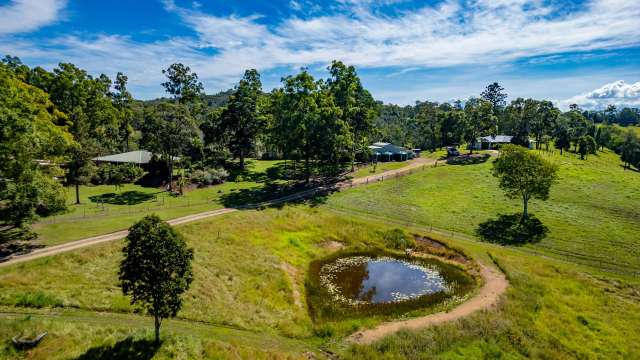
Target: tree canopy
156 268
523 174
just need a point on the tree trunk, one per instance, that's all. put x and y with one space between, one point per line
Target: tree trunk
525 210
241 159
157 327
77 193
170 173
307 169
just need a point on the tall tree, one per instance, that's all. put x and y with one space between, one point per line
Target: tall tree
32 129
524 175
168 129
630 150
429 120
562 134
123 100
479 120
156 269
243 121
543 121
182 84
356 104
494 93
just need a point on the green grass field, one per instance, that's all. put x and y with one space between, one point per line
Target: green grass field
574 295
592 214
370 169
105 209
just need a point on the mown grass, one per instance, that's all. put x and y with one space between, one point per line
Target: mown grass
106 209
372 169
592 214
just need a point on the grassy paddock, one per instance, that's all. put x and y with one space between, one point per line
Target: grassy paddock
552 309
592 213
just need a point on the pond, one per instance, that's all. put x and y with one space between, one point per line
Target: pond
373 283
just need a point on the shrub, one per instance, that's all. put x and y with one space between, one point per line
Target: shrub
116 174
398 239
37 300
210 176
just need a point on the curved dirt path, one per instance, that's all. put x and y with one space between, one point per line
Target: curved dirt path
489 295
94 240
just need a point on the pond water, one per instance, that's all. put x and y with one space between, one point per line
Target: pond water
376 280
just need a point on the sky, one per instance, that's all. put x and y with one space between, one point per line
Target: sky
567 51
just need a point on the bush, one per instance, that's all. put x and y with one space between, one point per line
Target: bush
116 174
209 176
37 300
398 239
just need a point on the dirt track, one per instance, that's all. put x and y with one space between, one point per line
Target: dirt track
94 240
489 295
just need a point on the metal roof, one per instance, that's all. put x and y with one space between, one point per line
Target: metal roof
387 148
497 139
131 157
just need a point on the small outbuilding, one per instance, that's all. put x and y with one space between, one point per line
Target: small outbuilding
382 151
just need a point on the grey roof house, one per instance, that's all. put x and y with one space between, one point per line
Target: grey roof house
139 157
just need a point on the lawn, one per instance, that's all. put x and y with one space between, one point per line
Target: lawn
372 169
242 301
592 213
105 209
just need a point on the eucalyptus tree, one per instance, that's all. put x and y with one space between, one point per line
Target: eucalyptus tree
479 120
123 101
243 120
168 129
543 121
358 107
182 84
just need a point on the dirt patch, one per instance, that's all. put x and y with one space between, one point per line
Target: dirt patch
292 274
332 245
437 248
495 285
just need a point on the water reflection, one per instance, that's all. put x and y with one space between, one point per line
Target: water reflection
362 279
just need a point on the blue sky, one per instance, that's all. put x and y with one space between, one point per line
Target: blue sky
587 52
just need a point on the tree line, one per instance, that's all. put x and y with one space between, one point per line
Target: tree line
431 125
320 127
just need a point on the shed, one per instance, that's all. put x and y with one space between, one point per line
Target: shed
382 151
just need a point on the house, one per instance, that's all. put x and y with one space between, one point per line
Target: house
138 157
494 142
382 151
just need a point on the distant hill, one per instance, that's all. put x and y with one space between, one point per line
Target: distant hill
214 101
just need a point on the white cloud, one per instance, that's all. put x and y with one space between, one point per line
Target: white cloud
617 93
453 33
28 15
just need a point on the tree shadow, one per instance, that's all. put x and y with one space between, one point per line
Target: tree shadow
131 197
273 194
507 230
16 241
468 159
128 348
